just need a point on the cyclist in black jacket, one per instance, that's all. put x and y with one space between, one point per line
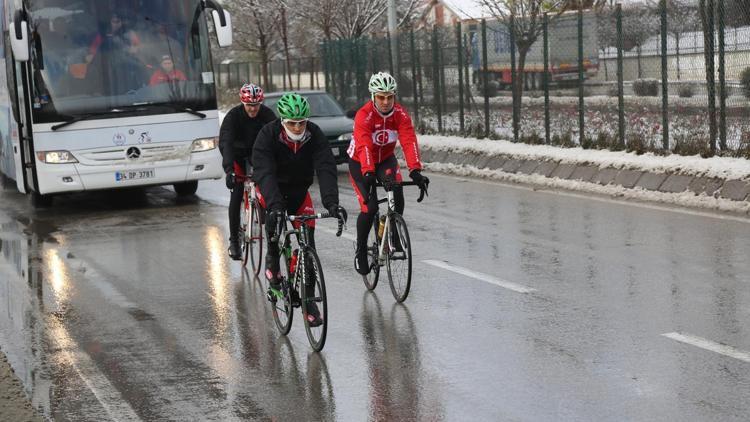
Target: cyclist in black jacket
286 154
236 138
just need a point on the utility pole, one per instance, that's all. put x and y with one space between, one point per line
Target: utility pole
393 35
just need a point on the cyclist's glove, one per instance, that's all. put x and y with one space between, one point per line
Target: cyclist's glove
275 222
388 182
337 211
422 181
230 180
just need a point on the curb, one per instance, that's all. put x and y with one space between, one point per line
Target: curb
737 191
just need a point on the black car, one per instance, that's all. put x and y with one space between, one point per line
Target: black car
328 114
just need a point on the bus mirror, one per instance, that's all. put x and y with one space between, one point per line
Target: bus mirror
223 32
19 39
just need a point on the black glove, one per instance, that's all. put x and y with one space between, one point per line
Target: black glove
369 180
230 180
337 211
275 222
422 181
388 181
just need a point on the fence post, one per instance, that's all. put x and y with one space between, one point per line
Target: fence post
419 78
443 93
664 78
484 80
514 77
581 105
620 88
340 86
722 82
390 56
460 78
326 66
545 78
711 73
415 97
312 70
436 78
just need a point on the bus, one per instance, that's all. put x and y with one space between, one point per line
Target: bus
102 94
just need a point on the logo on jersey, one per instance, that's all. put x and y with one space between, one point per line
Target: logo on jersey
384 137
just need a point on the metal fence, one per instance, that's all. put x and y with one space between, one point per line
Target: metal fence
633 77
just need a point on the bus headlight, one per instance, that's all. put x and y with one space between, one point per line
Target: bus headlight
56 157
345 137
204 144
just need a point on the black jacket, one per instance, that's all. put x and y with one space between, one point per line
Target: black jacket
278 169
238 133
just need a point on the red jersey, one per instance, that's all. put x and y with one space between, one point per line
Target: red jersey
374 138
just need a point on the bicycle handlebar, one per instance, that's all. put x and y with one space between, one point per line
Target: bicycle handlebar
422 190
306 217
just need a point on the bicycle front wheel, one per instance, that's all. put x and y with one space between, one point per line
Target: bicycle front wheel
398 258
245 218
314 302
281 301
373 242
255 237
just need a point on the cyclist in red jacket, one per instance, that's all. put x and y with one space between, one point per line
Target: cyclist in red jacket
378 125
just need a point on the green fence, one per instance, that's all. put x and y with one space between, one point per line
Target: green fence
634 77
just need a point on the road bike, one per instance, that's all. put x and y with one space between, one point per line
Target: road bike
302 282
251 225
389 245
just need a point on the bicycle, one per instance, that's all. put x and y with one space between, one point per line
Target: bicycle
251 225
301 270
392 250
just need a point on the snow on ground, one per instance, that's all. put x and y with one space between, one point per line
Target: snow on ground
722 167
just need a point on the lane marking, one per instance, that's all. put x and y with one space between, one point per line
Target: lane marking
480 276
709 345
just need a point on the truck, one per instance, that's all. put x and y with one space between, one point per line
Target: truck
563 52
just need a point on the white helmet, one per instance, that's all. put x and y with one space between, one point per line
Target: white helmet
382 82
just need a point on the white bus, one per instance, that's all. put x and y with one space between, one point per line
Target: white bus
99 94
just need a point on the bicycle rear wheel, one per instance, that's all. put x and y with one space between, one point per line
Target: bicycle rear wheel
281 303
371 279
255 237
314 299
398 258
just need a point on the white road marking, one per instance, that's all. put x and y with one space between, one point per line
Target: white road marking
480 276
709 345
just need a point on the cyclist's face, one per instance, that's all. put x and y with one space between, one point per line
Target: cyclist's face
297 127
252 109
384 101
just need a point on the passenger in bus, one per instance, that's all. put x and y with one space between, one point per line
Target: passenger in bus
166 72
115 39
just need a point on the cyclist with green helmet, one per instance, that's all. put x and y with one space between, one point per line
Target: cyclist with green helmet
286 154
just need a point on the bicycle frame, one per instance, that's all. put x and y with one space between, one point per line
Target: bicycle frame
391 200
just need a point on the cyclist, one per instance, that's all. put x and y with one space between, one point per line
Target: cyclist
378 125
236 138
286 154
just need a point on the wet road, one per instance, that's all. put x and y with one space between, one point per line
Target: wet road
525 306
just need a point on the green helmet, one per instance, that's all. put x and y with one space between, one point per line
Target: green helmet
293 106
382 82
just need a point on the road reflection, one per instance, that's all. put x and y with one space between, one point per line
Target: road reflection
398 383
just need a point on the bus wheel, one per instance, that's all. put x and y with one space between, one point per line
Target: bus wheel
41 201
186 188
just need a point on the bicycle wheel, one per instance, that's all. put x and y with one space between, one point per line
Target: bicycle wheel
245 220
371 279
281 303
255 237
398 258
314 296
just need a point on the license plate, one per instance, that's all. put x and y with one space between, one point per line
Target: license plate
134 174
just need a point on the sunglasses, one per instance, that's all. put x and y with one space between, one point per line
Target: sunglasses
295 123
253 104
384 97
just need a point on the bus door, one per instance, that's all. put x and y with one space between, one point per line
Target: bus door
25 173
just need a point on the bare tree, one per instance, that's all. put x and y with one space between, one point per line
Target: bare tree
606 26
639 22
321 13
683 17
527 17
255 30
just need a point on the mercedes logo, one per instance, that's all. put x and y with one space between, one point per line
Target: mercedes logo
133 153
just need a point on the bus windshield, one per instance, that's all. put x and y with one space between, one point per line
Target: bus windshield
92 56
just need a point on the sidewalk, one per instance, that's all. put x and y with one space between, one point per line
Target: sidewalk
14 404
717 183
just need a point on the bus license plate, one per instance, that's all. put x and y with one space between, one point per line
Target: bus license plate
134 174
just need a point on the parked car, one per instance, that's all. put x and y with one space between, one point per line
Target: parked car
325 112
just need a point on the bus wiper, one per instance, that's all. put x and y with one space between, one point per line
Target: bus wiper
175 107
79 117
